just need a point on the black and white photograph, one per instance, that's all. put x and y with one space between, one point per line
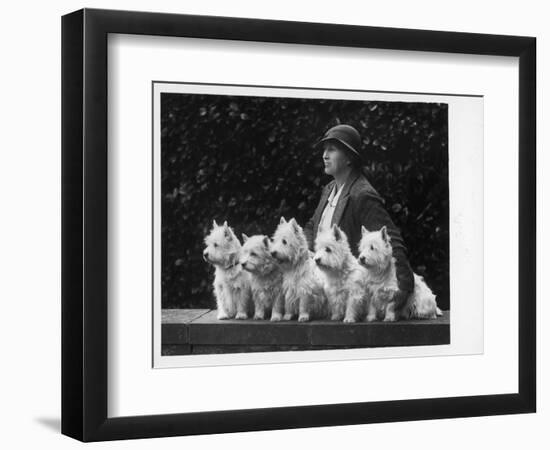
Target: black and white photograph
295 223
267 225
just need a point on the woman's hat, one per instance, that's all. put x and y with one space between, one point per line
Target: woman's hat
347 136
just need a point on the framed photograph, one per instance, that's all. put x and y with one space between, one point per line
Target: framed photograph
273 224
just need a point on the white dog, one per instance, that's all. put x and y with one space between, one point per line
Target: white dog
266 277
231 282
376 255
345 280
302 284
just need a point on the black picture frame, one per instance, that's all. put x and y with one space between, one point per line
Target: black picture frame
84 224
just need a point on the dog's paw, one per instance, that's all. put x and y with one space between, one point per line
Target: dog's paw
303 318
259 317
390 317
276 317
349 320
223 316
371 317
287 317
241 316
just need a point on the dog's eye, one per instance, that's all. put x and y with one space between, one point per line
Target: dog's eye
284 241
215 245
252 254
328 250
372 247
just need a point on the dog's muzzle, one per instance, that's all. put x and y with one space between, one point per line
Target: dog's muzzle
363 261
278 257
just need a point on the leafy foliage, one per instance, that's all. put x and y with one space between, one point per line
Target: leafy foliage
250 160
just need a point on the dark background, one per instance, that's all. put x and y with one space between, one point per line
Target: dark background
250 160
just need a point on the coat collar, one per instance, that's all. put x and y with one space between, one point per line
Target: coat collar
350 181
356 182
344 197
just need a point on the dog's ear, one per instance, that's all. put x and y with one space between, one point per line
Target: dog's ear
385 234
283 220
294 224
266 242
364 230
227 231
245 237
337 232
214 223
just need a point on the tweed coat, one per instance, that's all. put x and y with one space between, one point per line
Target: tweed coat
360 204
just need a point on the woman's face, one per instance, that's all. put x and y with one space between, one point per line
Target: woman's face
335 159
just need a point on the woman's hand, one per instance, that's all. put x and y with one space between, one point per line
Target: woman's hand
400 298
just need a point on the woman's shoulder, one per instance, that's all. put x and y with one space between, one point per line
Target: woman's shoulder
362 190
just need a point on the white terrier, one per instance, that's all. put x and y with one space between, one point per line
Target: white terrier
231 282
302 284
375 253
345 280
266 277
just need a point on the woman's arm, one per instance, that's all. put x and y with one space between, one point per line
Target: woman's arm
308 231
308 227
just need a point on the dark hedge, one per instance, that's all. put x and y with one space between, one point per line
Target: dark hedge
250 160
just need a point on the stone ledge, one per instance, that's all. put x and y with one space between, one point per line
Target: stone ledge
194 331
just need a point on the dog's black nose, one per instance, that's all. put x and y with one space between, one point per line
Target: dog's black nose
205 254
362 259
317 260
274 254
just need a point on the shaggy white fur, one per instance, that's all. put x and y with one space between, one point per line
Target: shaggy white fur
345 280
375 253
266 277
231 282
302 284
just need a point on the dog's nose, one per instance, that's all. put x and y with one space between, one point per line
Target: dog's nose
205 254
317 260
274 254
362 259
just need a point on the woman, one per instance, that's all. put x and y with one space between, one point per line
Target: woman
350 202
